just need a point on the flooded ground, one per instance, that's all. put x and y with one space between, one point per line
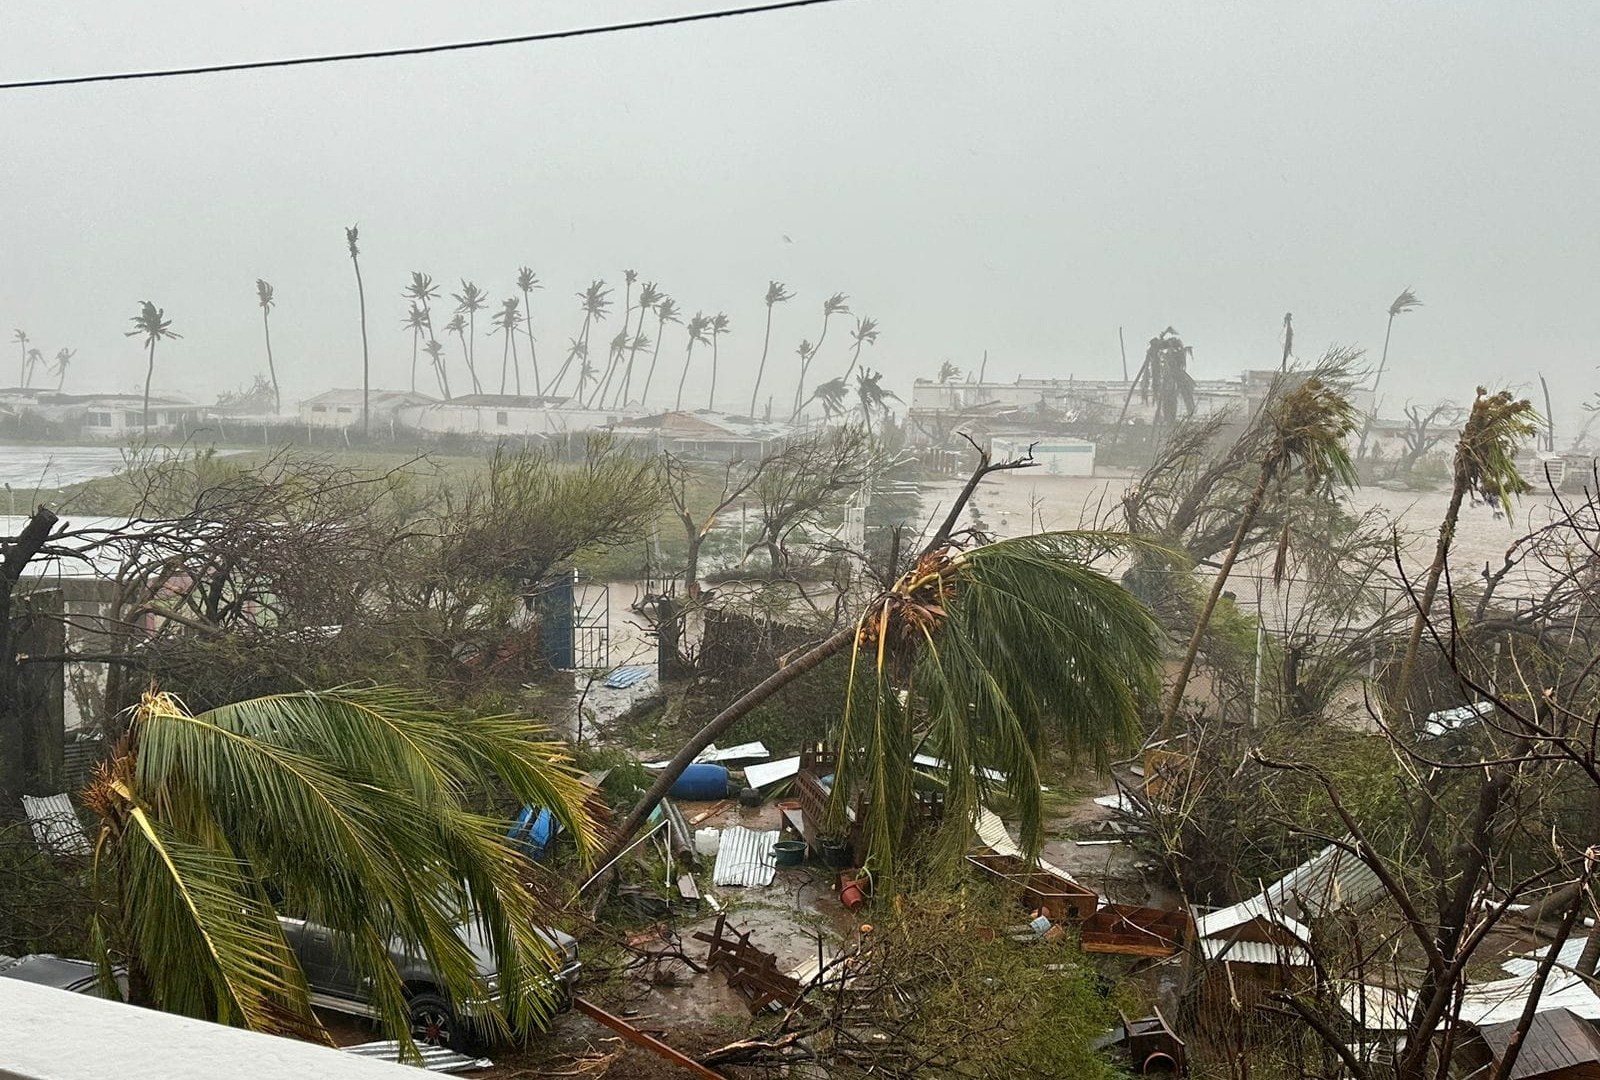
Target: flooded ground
28 467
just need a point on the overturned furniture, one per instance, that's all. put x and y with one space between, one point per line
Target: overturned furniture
1043 888
814 787
1129 930
750 970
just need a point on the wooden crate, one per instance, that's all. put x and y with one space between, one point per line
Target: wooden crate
1060 898
1136 931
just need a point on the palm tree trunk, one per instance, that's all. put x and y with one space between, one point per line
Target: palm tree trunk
533 355
661 332
855 354
687 356
720 723
766 340
416 338
366 359
583 336
149 372
627 372
711 400
505 360
1252 508
472 373
1430 589
471 345
22 372
516 364
266 329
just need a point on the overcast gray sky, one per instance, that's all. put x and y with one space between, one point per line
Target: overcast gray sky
1021 176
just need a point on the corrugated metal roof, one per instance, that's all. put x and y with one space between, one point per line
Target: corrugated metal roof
745 857
624 677
1254 952
434 1058
1528 963
56 825
1387 1009
993 834
1257 907
1329 881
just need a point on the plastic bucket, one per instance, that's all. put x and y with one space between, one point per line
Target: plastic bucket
789 852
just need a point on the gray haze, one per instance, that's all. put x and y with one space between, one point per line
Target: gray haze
1020 176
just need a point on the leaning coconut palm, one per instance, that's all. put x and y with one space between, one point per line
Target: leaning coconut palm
458 326
35 362
153 325
421 291
666 312
20 337
837 304
595 301
435 353
699 323
1483 469
264 298
871 397
1308 417
984 657
59 367
506 323
805 350
352 237
777 293
416 321
469 301
948 372
356 808
614 352
649 297
865 333
1403 303
831 396
719 326
527 281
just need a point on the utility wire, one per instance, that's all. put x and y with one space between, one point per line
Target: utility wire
418 50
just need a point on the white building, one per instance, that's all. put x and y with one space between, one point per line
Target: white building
509 414
342 408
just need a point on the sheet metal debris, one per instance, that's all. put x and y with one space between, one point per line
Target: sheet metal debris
56 825
745 857
1332 880
750 751
624 677
437 1059
770 772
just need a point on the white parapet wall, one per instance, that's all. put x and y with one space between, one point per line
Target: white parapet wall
57 1035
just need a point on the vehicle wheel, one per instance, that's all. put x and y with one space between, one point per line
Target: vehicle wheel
433 1022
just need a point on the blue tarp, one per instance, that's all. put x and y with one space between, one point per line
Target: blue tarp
624 677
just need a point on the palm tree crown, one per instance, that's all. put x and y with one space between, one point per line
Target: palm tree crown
355 808
153 325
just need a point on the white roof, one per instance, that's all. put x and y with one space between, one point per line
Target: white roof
63 1036
1528 963
1245 911
1326 882
1255 952
1388 1009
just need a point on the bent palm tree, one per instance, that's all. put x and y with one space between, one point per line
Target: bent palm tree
506 322
59 367
35 362
865 333
21 339
1483 469
619 343
831 395
984 657
435 353
527 281
595 301
719 326
837 304
666 311
777 293
469 301
698 324
458 326
353 806
352 235
416 321
151 324
1307 426
264 298
871 397
649 297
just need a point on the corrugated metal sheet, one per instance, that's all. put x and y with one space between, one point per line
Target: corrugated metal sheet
992 834
1387 1009
1329 881
1528 963
1245 911
56 825
745 857
434 1058
624 677
1254 952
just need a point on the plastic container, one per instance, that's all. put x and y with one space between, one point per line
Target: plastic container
789 852
835 853
706 842
701 782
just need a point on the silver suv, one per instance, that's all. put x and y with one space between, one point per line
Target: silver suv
435 1019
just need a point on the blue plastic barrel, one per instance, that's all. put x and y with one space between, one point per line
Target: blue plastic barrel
701 783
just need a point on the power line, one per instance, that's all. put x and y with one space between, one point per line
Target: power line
418 50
